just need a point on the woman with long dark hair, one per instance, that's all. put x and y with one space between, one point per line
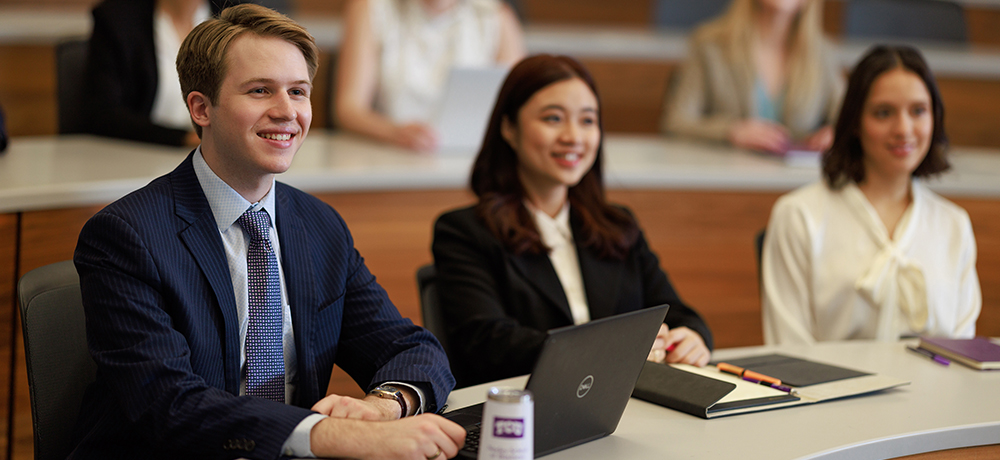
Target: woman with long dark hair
542 248
870 252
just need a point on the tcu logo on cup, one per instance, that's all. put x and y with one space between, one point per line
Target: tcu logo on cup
508 427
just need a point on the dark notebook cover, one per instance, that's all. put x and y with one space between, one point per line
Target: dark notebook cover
795 372
691 393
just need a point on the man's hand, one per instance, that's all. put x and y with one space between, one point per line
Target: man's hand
371 409
422 437
679 345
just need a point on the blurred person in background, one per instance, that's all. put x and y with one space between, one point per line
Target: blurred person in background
396 55
132 90
761 77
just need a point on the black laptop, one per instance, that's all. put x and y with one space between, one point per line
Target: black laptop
581 382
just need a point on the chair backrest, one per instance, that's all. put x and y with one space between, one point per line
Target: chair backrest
686 14
758 246
55 347
937 20
430 306
71 61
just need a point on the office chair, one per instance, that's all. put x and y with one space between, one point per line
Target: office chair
71 61
686 14
55 349
758 245
937 20
430 307
430 310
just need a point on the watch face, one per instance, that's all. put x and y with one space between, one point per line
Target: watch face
391 392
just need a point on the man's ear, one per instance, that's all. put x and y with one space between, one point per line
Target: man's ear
508 132
199 106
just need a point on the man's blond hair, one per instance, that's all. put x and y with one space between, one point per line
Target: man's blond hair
201 61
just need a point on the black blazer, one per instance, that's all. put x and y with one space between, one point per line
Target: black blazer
498 306
162 327
121 74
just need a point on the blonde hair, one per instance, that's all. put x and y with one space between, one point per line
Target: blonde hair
735 30
201 61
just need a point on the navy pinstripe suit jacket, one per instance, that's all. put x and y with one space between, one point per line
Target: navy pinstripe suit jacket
162 326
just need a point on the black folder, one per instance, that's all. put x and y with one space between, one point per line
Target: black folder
699 391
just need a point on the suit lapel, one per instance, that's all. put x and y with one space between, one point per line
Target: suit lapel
202 239
299 282
538 270
601 277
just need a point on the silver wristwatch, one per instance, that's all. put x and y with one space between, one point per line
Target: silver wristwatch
391 392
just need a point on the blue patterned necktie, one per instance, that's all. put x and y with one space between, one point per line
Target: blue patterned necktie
265 362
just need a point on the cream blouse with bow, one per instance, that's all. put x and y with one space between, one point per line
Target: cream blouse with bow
831 271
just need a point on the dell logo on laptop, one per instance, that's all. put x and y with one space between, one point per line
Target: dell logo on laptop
584 387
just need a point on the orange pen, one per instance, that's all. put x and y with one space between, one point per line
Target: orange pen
741 372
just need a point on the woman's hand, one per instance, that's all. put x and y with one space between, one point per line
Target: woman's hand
820 140
416 136
679 345
759 135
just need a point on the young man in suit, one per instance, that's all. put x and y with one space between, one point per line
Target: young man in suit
218 300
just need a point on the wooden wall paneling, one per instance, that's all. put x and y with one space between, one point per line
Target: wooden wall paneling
50 4
393 232
593 12
632 93
8 304
27 89
984 25
705 244
320 98
972 108
833 18
304 8
985 216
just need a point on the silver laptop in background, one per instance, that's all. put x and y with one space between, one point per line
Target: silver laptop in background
581 382
466 107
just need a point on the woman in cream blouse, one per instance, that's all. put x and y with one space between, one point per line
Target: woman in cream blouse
870 252
761 77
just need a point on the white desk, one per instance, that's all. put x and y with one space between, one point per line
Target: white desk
943 408
50 172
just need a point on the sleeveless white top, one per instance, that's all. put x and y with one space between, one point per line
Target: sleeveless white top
169 108
417 51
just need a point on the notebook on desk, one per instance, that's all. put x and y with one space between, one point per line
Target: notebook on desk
581 382
466 107
977 353
708 393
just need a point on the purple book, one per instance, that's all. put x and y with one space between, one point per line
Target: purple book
979 352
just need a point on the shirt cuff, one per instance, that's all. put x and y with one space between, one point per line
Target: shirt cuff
416 389
298 443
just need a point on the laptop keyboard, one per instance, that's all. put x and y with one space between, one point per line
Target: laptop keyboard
472 438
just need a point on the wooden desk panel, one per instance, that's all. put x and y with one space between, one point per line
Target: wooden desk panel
46 237
8 303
